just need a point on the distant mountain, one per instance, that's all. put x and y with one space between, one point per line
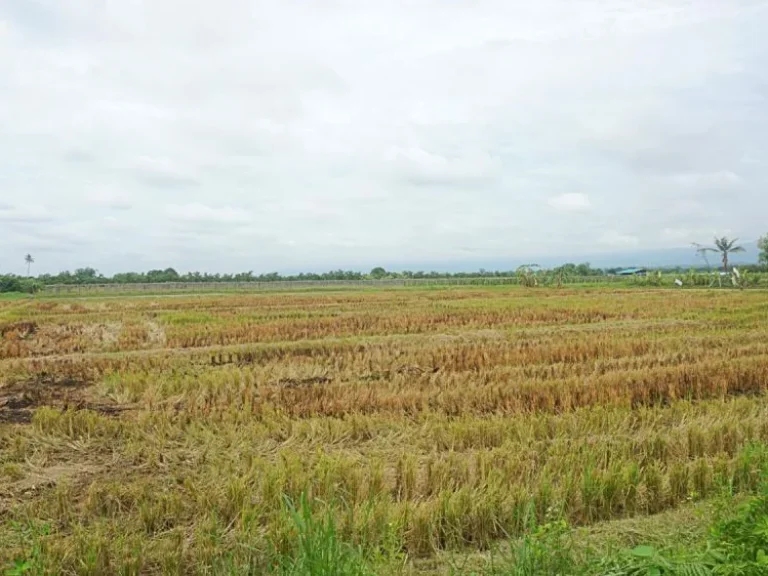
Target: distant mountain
670 257
645 258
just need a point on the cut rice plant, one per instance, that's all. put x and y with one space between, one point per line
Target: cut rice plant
370 432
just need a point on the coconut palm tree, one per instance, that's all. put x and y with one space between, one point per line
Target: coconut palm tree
29 260
724 247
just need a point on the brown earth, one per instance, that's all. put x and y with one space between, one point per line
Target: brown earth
19 400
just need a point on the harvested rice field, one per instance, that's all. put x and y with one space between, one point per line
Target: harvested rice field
199 434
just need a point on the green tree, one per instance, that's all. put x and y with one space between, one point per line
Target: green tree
86 275
723 246
167 275
378 272
762 244
29 261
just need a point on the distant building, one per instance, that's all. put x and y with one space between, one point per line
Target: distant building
632 272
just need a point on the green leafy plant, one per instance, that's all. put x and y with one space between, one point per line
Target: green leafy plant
32 541
560 276
547 550
319 550
737 544
527 275
742 279
648 561
743 539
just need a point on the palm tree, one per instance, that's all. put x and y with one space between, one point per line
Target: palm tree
724 247
29 260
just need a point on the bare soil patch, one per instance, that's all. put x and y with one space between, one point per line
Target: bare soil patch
35 481
19 400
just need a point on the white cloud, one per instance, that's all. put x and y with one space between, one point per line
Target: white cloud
109 199
678 234
411 133
423 168
24 214
200 213
570 202
616 239
685 237
162 172
722 180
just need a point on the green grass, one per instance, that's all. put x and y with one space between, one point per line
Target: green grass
734 543
15 296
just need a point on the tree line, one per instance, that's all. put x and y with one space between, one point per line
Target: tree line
723 247
84 276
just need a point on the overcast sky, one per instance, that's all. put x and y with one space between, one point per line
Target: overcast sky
285 135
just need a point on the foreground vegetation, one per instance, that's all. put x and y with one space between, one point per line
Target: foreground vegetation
374 432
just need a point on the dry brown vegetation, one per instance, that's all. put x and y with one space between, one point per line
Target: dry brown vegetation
160 435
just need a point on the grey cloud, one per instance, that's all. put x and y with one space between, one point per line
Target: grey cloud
570 202
24 214
717 181
421 167
201 213
109 199
120 205
162 172
676 154
35 18
263 135
69 238
77 155
159 180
